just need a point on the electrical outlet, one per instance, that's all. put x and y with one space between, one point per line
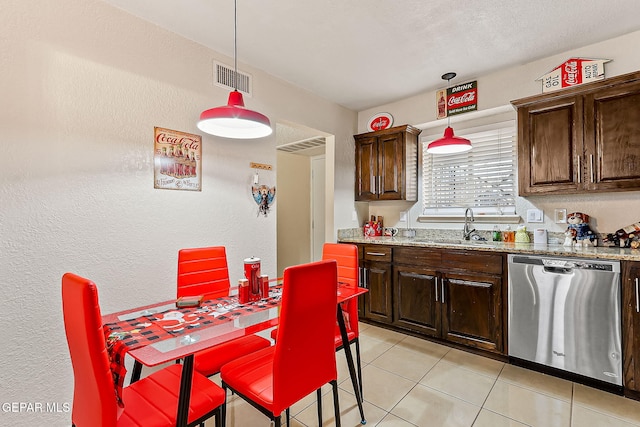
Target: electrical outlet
535 215
403 216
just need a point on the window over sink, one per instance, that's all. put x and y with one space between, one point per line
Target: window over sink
483 178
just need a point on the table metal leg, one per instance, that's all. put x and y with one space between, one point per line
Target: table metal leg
352 369
136 371
185 391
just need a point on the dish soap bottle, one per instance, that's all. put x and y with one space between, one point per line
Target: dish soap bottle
521 235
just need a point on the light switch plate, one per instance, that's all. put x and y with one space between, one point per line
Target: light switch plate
535 215
403 216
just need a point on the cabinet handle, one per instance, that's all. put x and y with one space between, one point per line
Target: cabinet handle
436 289
373 184
376 253
637 298
379 184
591 164
442 290
579 171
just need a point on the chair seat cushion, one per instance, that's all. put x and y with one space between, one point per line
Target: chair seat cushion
208 362
153 400
252 376
338 338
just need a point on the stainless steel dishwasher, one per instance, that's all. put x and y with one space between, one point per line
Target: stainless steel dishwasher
565 313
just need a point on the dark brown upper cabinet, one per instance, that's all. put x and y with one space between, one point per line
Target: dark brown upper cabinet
387 164
586 138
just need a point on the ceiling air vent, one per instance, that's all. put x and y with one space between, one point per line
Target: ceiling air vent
225 77
305 144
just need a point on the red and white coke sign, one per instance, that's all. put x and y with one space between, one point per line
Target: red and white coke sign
462 98
380 121
573 72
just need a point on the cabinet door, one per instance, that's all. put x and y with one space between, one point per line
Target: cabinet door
390 167
378 304
472 305
612 138
631 326
550 146
366 168
416 300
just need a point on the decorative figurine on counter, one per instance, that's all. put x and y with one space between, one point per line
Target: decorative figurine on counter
578 232
612 240
263 196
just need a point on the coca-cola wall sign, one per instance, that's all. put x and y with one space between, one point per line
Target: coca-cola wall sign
380 121
177 160
573 72
457 99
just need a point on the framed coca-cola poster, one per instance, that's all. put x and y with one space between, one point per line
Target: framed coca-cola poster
177 159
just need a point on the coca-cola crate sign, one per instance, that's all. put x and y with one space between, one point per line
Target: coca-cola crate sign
573 72
461 98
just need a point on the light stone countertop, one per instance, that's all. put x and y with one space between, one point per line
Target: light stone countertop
598 252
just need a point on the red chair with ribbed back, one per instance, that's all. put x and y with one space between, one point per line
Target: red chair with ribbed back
150 402
204 271
346 255
303 358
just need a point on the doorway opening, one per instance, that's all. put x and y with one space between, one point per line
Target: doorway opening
304 182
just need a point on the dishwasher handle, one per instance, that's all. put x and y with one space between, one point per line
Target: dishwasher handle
558 270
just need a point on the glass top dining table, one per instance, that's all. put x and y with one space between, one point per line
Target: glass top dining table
163 333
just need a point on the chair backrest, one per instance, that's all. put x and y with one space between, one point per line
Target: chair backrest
304 355
94 398
203 271
346 255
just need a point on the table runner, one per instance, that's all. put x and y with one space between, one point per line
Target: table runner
126 335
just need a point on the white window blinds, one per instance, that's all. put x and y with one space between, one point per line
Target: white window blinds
482 178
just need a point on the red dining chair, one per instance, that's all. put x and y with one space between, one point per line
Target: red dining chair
150 402
204 271
303 358
346 256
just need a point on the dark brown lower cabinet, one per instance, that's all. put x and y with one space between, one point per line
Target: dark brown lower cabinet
377 303
631 328
472 310
417 300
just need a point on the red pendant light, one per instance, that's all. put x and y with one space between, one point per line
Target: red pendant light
234 120
449 143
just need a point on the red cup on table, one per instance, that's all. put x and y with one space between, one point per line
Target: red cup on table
243 291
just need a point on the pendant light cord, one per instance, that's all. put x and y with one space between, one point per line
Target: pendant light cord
235 44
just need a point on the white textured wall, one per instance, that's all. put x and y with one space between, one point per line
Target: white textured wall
83 85
608 212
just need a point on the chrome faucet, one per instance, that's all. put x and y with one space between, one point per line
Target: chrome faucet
466 233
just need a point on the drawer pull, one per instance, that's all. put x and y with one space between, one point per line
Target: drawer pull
376 253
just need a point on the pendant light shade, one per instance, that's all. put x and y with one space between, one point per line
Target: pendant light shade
234 120
449 143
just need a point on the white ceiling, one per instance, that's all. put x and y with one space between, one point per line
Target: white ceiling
365 53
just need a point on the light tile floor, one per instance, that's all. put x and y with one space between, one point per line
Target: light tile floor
413 382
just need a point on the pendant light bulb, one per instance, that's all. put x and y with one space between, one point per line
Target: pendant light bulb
449 143
234 120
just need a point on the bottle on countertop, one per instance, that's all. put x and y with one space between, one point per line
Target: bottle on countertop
496 236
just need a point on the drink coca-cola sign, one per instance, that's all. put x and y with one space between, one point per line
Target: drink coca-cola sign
462 98
380 121
573 72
